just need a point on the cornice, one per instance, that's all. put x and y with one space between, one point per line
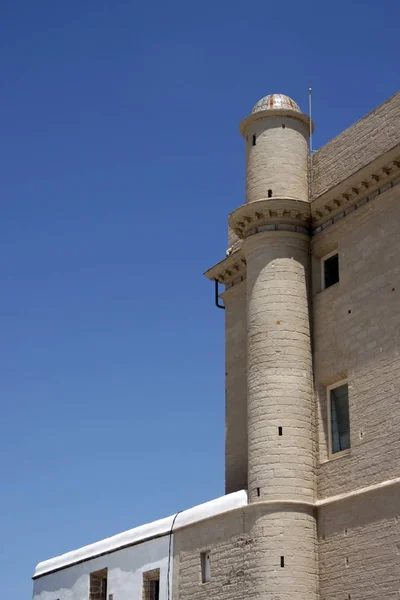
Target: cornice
276 112
271 214
375 487
363 187
290 214
231 270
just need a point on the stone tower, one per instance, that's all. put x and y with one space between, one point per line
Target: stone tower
270 446
260 542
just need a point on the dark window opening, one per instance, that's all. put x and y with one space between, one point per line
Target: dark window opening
282 561
98 585
269 193
331 270
254 140
340 418
258 491
155 589
283 125
151 585
205 567
280 430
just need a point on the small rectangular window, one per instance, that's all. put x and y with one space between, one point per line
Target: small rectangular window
330 269
155 589
254 140
151 585
339 418
98 585
205 566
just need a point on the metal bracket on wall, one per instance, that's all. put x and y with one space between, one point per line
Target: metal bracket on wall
216 296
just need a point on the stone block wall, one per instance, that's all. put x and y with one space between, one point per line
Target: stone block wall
235 388
359 547
246 550
357 335
370 137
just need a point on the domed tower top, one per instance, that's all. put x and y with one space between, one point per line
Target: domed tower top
276 134
274 105
276 102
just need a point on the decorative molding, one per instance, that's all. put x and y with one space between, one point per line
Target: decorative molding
281 112
229 271
270 214
327 212
358 492
291 215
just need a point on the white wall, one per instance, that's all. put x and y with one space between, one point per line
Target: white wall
125 574
58 579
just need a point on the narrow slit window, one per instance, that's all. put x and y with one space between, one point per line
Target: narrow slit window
330 269
269 193
205 567
254 140
339 418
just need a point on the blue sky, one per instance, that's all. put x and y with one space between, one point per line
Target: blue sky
120 161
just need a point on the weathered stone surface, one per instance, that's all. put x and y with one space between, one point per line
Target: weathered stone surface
236 388
363 344
246 547
357 146
295 487
278 161
279 370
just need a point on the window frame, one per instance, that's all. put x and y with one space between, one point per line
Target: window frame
205 566
148 578
323 260
99 575
333 455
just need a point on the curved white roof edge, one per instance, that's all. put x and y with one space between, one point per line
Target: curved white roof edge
144 532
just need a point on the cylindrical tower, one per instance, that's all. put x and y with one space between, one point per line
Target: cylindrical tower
279 370
273 226
276 134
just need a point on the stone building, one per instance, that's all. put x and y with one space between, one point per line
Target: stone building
312 307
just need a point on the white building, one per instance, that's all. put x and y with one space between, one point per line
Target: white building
136 564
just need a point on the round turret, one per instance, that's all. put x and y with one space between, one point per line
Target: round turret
273 225
276 134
